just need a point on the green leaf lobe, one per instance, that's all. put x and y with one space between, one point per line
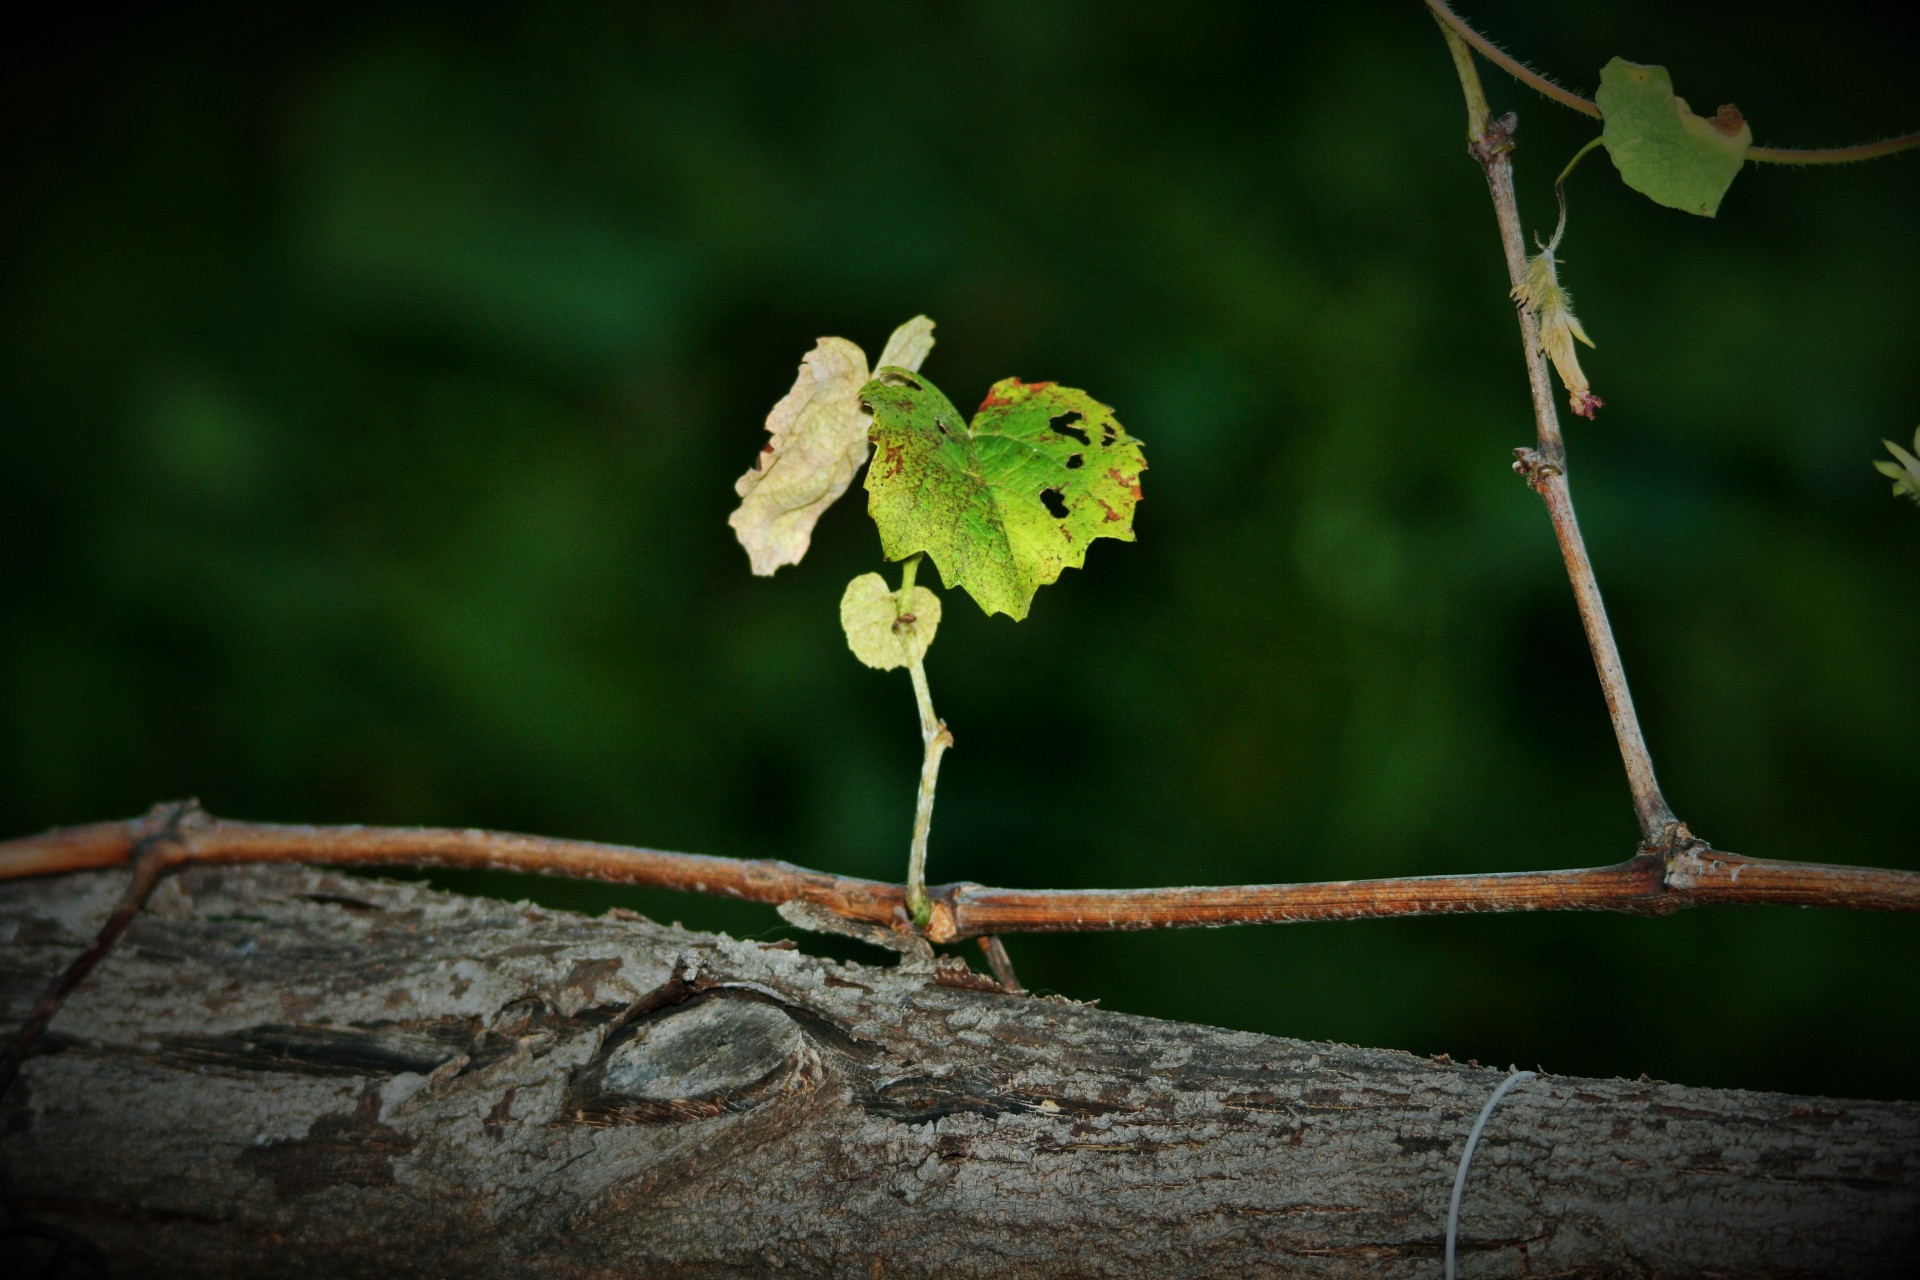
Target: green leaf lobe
1661 148
1005 504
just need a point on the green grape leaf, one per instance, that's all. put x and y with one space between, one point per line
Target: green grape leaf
1661 148
817 439
1003 505
884 629
1905 473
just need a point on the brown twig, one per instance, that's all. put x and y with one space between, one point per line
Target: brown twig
1545 467
203 840
1001 963
1657 881
152 856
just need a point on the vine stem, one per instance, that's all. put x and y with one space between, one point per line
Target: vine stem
1544 467
1654 882
935 739
1459 29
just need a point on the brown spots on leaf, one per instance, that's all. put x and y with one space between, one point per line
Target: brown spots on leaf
1111 515
895 460
1129 483
1010 389
1066 533
1728 120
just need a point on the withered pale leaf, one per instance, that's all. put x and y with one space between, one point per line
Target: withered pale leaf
816 441
1541 292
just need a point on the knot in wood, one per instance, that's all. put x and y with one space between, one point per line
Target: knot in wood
707 1057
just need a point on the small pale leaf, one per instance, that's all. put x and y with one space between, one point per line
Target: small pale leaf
1005 504
1662 149
1905 472
884 629
817 439
909 346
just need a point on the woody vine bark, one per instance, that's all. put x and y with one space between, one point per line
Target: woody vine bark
325 1075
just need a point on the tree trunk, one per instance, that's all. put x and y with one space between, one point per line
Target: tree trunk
294 1072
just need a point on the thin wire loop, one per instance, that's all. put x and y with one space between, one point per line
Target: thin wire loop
1466 1159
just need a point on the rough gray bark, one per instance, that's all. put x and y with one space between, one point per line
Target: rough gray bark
292 1072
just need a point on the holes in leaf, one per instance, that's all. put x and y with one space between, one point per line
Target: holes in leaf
1055 504
1108 435
1075 462
942 426
1062 424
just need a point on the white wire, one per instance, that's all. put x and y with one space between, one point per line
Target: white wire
1466 1159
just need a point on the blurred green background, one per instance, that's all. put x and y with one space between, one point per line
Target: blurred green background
375 380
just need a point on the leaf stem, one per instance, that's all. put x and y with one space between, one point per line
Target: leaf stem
1457 27
1834 155
1545 466
1560 193
936 739
1460 31
1574 163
